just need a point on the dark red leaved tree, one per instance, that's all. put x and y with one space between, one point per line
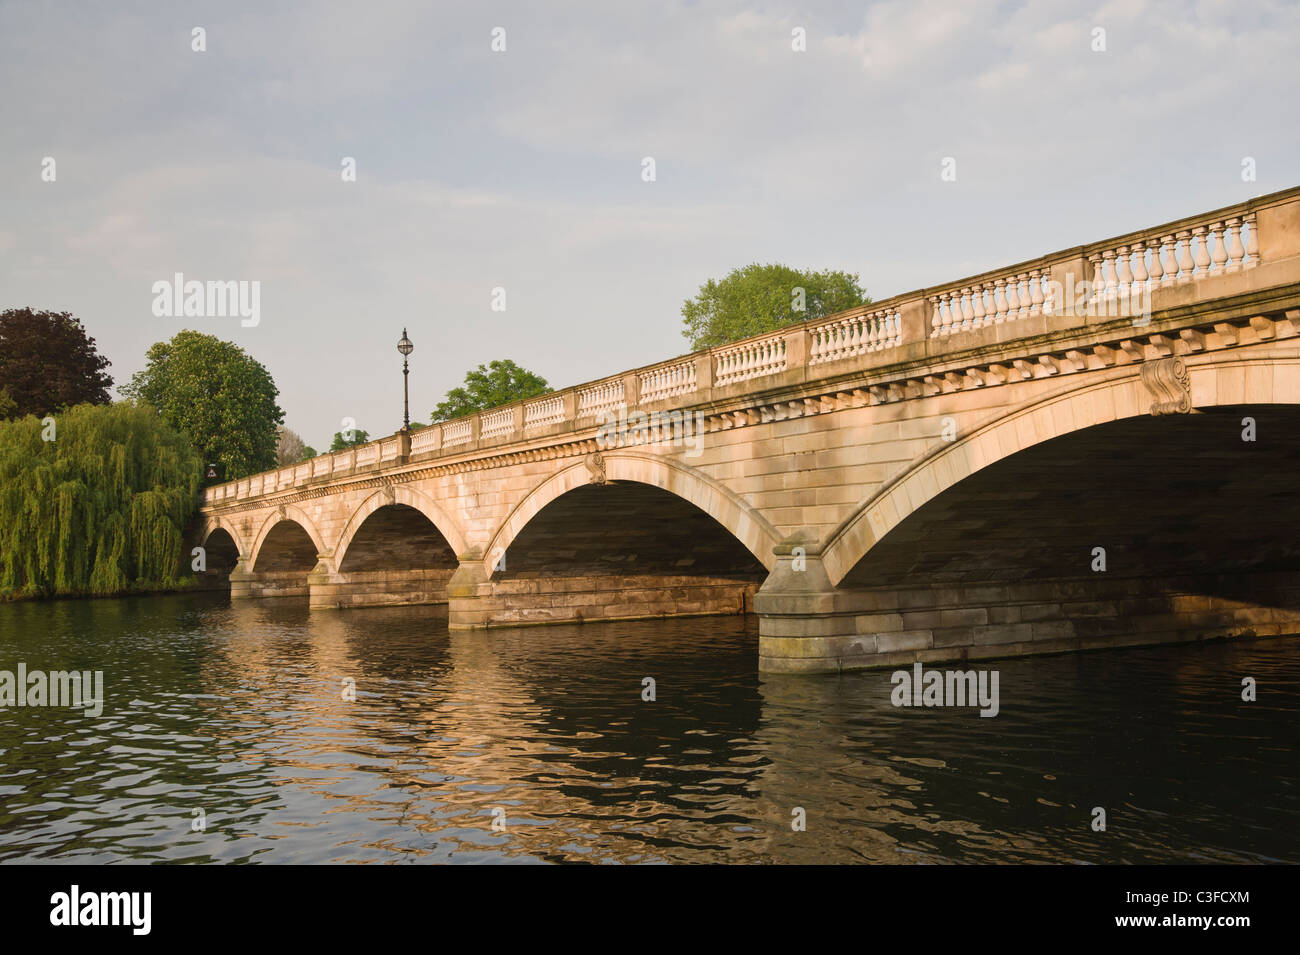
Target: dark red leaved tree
48 362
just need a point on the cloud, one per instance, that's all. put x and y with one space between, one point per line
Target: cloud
522 169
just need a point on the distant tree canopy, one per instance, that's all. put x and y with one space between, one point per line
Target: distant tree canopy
290 448
342 442
489 386
308 453
217 394
100 508
763 298
47 363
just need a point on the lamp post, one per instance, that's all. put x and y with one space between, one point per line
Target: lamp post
405 347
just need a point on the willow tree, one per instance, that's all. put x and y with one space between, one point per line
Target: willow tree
94 501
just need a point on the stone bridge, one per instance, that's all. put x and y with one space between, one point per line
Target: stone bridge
1093 448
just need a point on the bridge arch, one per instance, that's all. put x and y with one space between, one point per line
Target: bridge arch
744 523
288 513
400 494
222 549
1212 384
213 524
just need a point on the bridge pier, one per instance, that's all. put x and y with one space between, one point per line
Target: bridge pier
478 600
330 590
806 630
469 591
242 579
245 582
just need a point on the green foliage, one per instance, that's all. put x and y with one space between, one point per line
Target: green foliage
762 298
308 452
47 363
489 386
341 443
98 510
217 394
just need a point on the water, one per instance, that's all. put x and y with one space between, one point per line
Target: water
236 710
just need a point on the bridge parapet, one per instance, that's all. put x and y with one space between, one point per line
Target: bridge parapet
1129 276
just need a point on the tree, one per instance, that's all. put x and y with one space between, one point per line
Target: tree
48 363
763 298
98 510
289 447
217 394
489 386
308 453
342 443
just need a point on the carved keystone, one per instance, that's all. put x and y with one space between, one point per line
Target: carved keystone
1170 384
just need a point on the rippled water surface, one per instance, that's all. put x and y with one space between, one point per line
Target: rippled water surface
237 711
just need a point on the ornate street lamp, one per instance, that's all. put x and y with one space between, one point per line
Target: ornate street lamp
405 347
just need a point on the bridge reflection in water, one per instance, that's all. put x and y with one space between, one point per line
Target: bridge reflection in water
236 709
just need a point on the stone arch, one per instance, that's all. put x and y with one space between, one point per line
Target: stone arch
213 524
1212 384
286 512
400 494
743 522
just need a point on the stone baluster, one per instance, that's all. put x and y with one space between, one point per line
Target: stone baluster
1236 251
1140 275
1036 297
1219 257
1013 298
1169 262
1123 273
999 301
1252 242
1110 280
1202 256
967 311
936 321
1157 269
977 306
1185 263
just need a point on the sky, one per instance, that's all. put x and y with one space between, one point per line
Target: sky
523 169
